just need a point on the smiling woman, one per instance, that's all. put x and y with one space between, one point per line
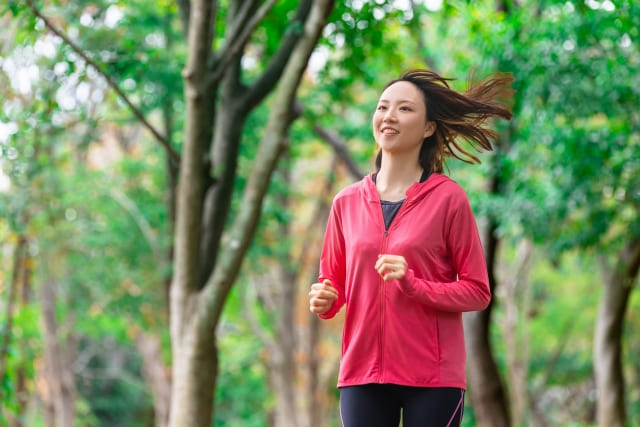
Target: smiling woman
400 121
402 252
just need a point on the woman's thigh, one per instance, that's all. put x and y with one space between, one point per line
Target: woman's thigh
369 405
432 407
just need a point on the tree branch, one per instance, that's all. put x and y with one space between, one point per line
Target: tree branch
248 299
184 6
223 156
267 81
340 147
271 147
199 106
338 144
225 149
135 110
632 260
241 29
228 134
141 221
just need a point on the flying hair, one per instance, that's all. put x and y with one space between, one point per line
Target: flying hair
459 116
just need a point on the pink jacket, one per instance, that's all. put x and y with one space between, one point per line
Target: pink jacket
407 331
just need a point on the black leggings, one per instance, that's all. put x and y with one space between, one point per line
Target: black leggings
379 405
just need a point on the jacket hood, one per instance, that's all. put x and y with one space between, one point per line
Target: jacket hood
415 193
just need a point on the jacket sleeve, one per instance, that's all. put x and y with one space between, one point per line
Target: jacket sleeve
332 260
471 291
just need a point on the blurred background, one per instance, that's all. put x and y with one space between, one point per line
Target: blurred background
137 140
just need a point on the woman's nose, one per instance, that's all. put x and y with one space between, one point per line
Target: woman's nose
389 115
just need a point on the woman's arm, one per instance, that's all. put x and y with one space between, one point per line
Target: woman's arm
332 261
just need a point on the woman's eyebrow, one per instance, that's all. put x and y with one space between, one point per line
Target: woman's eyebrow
402 101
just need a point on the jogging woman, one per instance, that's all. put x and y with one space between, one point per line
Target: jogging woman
403 254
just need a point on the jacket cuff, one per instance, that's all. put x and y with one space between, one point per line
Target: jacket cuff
407 283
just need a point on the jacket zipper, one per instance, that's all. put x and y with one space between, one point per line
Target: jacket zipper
383 249
382 305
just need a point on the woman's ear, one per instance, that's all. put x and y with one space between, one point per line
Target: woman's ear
429 129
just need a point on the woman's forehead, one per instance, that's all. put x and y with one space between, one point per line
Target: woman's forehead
402 90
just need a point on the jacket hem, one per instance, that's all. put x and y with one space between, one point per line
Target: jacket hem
363 381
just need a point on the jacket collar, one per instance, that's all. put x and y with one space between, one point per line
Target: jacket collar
416 192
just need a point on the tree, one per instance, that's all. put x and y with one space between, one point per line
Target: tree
217 103
202 279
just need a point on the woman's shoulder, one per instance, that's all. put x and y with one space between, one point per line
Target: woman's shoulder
452 191
450 185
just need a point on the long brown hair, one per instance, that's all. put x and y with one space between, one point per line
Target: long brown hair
458 115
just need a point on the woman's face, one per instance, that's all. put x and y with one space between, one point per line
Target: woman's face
400 121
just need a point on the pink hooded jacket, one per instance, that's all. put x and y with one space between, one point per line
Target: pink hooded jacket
406 331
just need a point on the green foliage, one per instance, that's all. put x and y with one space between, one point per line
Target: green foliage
110 383
24 345
100 233
568 164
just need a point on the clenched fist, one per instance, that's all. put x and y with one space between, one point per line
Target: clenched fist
321 297
391 266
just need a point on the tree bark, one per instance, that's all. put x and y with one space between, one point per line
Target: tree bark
485 385
61 390
283 376
194 353
516 304
283 372
609 375
195 370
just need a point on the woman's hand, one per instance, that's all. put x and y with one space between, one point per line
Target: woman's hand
321 297
391 266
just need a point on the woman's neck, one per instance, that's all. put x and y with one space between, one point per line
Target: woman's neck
395 177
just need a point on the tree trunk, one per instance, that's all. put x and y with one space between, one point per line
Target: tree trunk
195 370
19 290
516 299
485 385
313 409
608 336
156 374
277 293
284 375
22 393
196 308
60 390
16 277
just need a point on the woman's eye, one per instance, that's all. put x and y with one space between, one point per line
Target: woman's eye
405 109
381 107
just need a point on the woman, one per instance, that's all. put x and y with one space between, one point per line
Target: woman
402 252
